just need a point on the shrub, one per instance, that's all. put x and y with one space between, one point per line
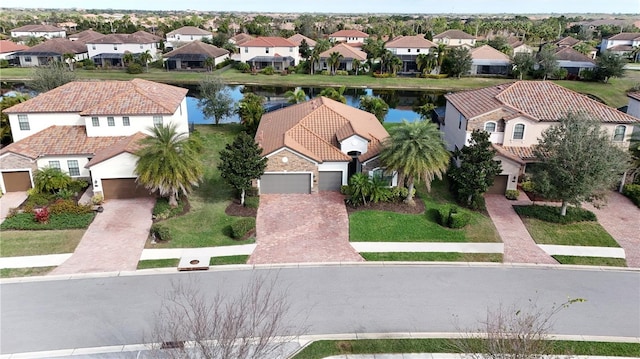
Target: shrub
399 192
160 232
51 180
41 215
527 186
97 199
633 192
458 220
443 215
242 66
4 63
65 193
512 194
342 72
162 209
345 190
268 71
242 227
477 203
39 199
252 202
435 76
134 68
552 214
68 206
560 74
325 73
78 185
25 221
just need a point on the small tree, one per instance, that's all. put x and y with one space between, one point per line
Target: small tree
547 61
332 93
295 96
477 168
45 78
374 105
304 49
577 161
145 58
457 62
241 162
69 58
50 180
209 63
522 64
250 110
609 65
215 99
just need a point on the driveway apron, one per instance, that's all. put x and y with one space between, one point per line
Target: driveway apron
621 218
10 200
115 239
519 247
294 228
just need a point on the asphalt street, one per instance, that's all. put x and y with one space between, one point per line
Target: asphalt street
93 312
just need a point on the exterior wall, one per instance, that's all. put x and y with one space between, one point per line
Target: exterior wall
354 143
12 161
634 108
35 60
532 132
511 168
220 59
120 166
45 34
456 42
40 121
348 40
247 53
137 123
606 43
97 49
293 163
523 49
187 38
336 166
454 134
408 51
64 167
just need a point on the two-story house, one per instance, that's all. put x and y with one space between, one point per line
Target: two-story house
455 38
85 36
110 49
45 31
518 46
90 130
622 43
516 114
273 51
354 38
51 50
187 34
407 48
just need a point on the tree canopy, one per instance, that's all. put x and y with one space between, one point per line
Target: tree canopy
250 110
374 105
45 78
241 162
457 62
215 99
522 64
609 65
547 61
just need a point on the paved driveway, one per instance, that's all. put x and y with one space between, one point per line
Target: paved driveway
115 239
10 200
294 228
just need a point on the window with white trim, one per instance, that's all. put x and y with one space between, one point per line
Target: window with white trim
618 134
74 168
95 122
27 59
125 121
23 122
382 174
54 164
115 47
246 50
490 127
157 121
266 50
518 131
111 121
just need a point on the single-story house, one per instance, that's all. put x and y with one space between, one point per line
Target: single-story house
52 50
489 61
45 31
8 50
317 145
573 61
518 46
194 55
346 62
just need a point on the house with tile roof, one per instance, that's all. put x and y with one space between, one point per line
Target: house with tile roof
85 36
110 49
622 43
44 31
573 61
193 56
519 46
298 38
346 62
516 114
8 50
407 49
488 61
355 38
455 38
273 51
187 34
51 50
317 145
89 129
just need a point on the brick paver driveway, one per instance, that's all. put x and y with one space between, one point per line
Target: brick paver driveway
115 239
10 200
293 228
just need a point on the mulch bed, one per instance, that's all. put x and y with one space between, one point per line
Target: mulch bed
398 207
236 209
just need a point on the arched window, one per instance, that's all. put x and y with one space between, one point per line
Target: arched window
518 132
618 135
490 127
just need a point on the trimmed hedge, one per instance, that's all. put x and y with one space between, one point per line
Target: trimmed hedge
633 192
68 206
449 216
552 214
242 227
160 232
26 221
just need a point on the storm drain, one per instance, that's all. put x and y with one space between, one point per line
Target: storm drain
191 263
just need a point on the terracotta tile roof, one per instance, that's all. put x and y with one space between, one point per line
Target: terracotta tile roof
241 38
37 28
140 37
313 128
58 46
538 100
508 152
99 98
521 152
197 47
10 46
86 35
189 30
416 41
60 140
346 51
487 52
567 41
454 34
269 41
626 36
634 95
297 39
569 54
130 144
349 33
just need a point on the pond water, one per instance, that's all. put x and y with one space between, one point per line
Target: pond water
401 102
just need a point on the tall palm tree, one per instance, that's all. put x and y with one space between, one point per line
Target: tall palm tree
395 64
314 59
635 53
417 151
145 58
385 61
169 162
69 58
355 65
127 58
209 63
250 110
296 96
334 61
441 53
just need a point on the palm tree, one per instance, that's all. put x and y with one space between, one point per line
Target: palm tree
296 96
70 58
169 162
355 65
441 53
250 110
209 63
386 60
635 53
417 151
334 61
127 58
145 57
395 64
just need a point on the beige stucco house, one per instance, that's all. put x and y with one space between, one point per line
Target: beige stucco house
273 51
346 62
488 61
455 38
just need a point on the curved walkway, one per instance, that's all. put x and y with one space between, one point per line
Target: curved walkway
296 228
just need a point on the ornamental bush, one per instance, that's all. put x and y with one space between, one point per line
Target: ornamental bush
242 227
633 192
160 232
134 68
450 216
68 206
512 194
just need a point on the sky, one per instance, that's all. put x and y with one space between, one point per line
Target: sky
355 6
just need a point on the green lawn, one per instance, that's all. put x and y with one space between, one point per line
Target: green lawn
158 263
433 257
574 234
206 224
219 261
31 243
324 348
24 272
591 261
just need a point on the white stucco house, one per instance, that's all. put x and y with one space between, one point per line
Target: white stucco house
515 115
110 49
273 51
8 49
355 38
187 34
408 48
621 43
90 130
46 31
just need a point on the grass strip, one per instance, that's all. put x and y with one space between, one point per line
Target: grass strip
433 257
218 261
591 261
24 272
158 263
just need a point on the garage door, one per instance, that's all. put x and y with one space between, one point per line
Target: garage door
330 180
499 185
119 188
285 183
17 181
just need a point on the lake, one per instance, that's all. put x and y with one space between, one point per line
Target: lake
401 102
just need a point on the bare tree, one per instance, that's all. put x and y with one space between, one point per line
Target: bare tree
512 333
253 324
